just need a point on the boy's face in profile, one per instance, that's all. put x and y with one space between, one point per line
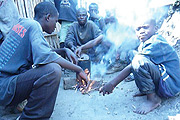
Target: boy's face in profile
145 30
50 24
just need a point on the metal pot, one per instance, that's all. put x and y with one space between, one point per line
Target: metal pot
85 64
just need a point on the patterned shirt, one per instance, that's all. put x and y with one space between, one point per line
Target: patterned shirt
24 47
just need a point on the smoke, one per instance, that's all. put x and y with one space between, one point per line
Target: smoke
121 33
122 39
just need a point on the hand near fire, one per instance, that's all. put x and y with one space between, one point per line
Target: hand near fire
71 56
82 77
106 89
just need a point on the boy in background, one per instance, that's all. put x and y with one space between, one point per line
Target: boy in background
98 20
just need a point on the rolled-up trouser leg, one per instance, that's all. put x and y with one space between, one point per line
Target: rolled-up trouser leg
39 86
147 77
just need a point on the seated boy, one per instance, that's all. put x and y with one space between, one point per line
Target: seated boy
155 68
83 35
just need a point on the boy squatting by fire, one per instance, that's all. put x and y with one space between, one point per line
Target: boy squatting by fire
24 47
155 68
83 36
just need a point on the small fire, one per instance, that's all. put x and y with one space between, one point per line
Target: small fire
82 85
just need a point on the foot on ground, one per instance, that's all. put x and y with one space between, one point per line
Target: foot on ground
138 94
152 102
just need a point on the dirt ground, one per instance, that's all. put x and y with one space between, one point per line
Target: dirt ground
72 105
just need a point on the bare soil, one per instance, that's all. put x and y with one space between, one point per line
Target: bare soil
73 105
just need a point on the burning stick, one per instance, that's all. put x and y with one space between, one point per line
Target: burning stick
86 86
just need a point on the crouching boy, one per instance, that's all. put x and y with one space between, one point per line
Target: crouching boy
156 69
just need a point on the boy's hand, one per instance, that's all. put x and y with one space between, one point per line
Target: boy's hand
73 48
71 56
78 51
94 15
83 76
107 89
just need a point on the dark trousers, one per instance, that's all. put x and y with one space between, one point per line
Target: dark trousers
147 77
39 86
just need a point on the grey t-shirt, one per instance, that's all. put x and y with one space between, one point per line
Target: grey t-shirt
80 35
24 47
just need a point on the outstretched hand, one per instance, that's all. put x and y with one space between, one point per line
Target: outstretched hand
71 56
107 89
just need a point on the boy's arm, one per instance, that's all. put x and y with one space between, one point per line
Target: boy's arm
89 44
71 46
60 51
92 43
71 56
68 65
70 40
98 37
108 88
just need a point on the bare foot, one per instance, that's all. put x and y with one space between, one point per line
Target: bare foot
152 102
138 94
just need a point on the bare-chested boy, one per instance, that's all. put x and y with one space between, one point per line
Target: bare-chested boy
156 69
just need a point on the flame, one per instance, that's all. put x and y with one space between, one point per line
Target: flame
88 73
82 84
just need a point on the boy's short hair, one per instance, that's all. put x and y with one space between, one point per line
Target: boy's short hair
81 9
45 8
142 20
93 4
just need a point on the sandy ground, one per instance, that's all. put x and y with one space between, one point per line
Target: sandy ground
72 105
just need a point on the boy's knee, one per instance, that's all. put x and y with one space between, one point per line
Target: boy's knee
56 68
140 62
51 74
56 73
